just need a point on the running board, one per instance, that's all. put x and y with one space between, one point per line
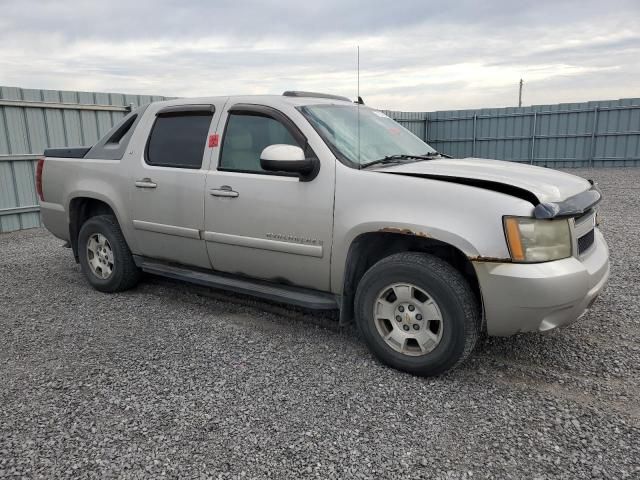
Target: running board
301 297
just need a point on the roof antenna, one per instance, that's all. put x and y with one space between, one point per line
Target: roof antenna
359 102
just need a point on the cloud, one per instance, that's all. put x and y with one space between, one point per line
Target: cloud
415 55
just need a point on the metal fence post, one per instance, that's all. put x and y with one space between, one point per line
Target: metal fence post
473 145
426 128
12 168
592 150
532 153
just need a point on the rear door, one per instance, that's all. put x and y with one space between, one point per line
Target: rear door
263 224
167 182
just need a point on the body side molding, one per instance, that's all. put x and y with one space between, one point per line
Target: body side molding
167 229
265 244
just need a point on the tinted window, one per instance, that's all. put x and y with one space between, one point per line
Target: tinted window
246 136
178 140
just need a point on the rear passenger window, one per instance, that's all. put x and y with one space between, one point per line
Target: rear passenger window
178 140
246 136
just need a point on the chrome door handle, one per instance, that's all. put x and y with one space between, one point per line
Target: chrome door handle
224 191
146 183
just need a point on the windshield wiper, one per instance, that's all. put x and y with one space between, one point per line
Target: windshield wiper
398 158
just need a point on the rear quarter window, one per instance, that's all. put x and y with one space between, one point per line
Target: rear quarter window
113 144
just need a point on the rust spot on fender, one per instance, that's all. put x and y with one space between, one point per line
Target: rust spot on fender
404 231
480 258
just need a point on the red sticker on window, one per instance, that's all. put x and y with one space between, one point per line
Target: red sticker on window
213 140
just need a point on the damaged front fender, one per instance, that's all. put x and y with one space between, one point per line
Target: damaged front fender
404 231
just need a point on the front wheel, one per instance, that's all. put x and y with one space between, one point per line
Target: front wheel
417 313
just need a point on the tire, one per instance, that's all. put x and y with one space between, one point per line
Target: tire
438 338
105 257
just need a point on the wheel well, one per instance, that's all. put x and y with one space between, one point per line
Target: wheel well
80 210
369 248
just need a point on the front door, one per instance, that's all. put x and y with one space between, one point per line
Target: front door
168 177
265 225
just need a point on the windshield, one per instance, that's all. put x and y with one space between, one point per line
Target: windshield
360 135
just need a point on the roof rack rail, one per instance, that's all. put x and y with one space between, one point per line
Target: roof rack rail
295 93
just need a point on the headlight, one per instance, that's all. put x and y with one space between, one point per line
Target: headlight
531 240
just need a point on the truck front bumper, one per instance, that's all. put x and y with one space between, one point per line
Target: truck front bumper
542 296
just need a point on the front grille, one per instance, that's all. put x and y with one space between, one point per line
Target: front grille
585 241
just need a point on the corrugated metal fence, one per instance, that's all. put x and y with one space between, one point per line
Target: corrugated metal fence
32 120
598 134
605 133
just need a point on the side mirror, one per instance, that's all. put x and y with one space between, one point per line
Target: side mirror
287 158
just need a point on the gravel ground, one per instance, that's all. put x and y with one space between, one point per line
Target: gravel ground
174 380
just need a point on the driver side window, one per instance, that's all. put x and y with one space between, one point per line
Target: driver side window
245 136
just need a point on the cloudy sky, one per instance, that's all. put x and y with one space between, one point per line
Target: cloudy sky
414 55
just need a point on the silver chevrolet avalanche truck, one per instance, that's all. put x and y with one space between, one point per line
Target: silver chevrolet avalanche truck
316 201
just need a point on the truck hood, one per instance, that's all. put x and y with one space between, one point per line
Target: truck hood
545 184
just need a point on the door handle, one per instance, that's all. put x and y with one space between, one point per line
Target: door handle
146 183
224 191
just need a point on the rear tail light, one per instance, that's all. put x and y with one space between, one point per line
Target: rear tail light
39 169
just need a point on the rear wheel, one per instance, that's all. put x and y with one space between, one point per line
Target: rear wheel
417 313
105 257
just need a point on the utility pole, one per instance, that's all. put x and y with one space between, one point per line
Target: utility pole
520 93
